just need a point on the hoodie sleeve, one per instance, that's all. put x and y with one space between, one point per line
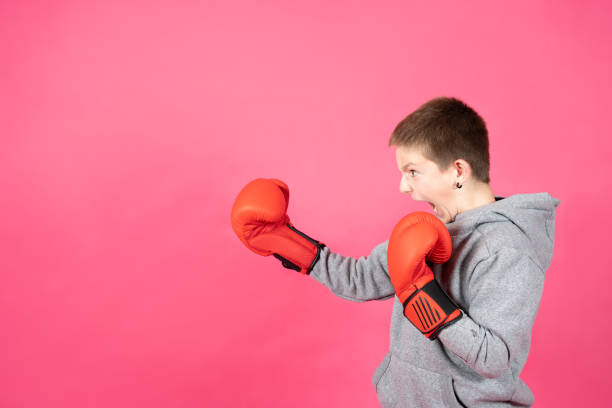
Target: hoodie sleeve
504 296
359 280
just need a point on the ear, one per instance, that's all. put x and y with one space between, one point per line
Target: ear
463 170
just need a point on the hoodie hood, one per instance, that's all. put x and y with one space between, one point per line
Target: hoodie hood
532 214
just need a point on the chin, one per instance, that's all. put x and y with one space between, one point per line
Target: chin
442 217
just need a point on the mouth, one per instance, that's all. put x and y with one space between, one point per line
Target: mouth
433 206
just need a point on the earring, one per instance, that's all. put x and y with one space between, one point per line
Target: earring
459 185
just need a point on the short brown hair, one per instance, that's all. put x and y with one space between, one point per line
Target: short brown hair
447 129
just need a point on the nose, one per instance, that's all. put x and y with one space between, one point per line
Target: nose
405 187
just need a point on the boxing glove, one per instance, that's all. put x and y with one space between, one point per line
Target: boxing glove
259 219
417 238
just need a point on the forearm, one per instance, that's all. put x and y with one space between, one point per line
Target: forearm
359 280
481 349
496 329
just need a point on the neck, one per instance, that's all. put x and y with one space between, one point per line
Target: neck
475 195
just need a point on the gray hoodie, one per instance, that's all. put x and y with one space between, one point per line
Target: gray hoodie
495 275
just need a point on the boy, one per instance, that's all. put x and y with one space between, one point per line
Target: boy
501 248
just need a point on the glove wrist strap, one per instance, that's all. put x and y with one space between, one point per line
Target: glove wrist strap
430 309
305 268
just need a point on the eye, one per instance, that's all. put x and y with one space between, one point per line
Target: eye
411 172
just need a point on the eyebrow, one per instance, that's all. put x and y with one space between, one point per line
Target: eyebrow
408 164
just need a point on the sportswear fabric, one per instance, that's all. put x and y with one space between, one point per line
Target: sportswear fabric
495 275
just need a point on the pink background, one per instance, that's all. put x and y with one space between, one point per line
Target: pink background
128 128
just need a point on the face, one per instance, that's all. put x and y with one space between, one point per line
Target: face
423 180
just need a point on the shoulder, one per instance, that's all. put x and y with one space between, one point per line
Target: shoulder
505 240
495 257
502 235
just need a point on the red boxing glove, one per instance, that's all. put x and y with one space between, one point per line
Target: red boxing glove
417 237
259 219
